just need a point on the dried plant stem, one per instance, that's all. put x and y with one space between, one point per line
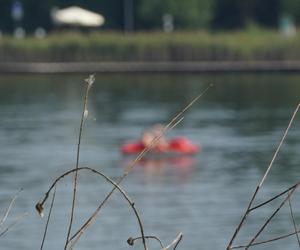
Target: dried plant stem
48 219
174 243
274 198
131 241
267 241
125 195
294 222
263 179
177 118
243 219
271 217
279 146
264 203
89 83
9 207
16 221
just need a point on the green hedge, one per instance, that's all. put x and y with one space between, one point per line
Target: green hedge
155 46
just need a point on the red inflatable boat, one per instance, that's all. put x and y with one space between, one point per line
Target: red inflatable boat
179 145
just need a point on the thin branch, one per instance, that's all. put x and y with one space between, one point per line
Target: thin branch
17 220
177 122
279 146
48 219
88 222
271 217
294 222
125 195
84 114
243 219
131 241
9 207
263 179
175 242
274 198
267 241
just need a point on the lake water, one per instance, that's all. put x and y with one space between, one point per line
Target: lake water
238 123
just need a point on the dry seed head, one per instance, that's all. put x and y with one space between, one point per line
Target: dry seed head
85 114
130 241
40 208
90 80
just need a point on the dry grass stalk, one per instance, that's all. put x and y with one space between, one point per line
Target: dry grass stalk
290 191
9 207
273 198
249 207
72 240
125 195
89 82
171 124
131 240
270 218
267 241
16 221
48 219
294 221
174 243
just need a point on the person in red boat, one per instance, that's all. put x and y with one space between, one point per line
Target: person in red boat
155 139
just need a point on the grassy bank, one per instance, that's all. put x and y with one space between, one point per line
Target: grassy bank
178 46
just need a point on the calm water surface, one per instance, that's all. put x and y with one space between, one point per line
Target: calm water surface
238 123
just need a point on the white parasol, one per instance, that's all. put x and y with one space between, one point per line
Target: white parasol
77 16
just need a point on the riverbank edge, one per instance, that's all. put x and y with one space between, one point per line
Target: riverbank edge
150 67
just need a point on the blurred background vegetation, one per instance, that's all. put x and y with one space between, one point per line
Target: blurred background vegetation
201 30
154 46
147 14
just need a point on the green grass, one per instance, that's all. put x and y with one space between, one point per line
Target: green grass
154 46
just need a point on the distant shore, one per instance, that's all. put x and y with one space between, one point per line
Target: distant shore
181 51
151 67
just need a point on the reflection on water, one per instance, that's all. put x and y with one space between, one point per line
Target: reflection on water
238 124
155 167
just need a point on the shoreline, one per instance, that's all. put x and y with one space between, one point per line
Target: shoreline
150 67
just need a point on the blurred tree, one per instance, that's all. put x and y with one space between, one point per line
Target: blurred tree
37 12
291 8
148 14
111 10
6 22
186 14
228 14
267 13
236 14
